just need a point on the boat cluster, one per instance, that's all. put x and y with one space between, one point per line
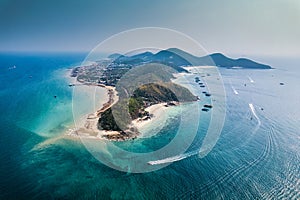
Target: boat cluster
206 107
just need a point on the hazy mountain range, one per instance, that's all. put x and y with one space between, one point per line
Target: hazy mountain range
177 58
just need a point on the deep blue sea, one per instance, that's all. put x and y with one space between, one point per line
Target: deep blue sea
256 157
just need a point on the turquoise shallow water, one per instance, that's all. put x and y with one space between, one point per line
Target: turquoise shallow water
256 157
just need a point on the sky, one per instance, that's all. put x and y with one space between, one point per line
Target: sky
236 27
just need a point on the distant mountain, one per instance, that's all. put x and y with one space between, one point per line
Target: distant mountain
115 55
146 56
171 59
219 60
164 57
222 61
191 59
177 58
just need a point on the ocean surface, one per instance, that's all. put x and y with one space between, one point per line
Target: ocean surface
256 157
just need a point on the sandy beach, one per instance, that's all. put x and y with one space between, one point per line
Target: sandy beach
156 111
87 126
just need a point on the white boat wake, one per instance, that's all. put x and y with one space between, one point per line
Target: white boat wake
254 113
250 79
256 117
189 154
173 158
234 90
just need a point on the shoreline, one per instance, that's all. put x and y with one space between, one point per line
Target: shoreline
155 111
88 128
91 131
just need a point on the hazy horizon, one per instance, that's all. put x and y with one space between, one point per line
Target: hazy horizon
231 27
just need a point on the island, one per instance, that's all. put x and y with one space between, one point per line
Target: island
130 102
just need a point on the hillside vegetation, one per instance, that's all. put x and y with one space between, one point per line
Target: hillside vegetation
144 96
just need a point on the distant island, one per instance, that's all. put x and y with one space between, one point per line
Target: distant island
128 104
